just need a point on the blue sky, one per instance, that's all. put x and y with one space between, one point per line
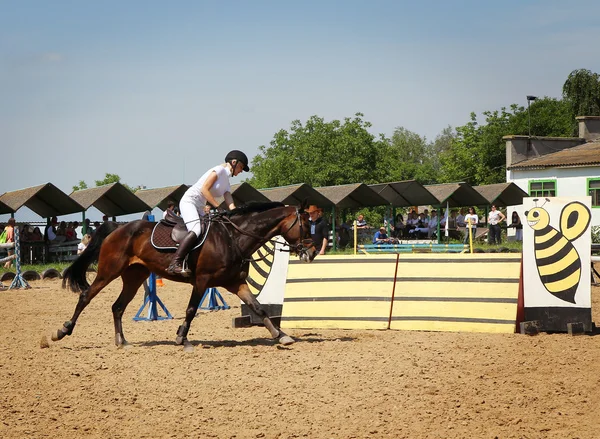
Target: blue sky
158 92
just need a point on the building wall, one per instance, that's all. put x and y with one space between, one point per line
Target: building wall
570 182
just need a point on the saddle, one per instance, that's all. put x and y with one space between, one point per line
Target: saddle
168 232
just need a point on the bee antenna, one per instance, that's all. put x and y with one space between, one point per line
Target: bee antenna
535 200
546 201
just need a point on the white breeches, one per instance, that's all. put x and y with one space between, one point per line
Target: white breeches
190 212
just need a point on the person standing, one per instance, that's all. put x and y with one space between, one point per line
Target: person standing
495 217
214 183
517 225
171 205
471 220
318 229
10 237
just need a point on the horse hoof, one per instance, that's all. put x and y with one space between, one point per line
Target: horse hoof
188 347
179 340
286 340
124 345
57 335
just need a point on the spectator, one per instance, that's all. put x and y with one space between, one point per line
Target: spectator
422 226
87 228
61 230
460 219
495 217
36 235
361 223
399 226
318 229
70 232
50 234
433 224
516 224
171 205
471 219
381 237
83 244
9 232
105 218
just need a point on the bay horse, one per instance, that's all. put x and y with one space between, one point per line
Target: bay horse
223 260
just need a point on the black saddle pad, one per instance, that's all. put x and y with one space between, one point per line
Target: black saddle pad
162 235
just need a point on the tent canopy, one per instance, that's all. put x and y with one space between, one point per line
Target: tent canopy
502 194
456 195
4 208
295 194
405 193
352 196
111 199
46 200
160 197
245 193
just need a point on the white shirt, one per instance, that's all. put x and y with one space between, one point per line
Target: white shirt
51 234
473 219
194 193
494 217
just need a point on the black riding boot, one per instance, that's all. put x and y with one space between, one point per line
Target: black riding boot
184 248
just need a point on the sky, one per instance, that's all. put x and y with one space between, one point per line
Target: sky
158 92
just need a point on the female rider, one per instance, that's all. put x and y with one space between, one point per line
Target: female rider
214 183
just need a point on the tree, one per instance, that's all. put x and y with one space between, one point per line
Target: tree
582 91
108 179
320 153
406 156
477 154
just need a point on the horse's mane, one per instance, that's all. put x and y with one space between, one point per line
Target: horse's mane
253 207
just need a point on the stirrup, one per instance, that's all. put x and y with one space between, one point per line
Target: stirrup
179 269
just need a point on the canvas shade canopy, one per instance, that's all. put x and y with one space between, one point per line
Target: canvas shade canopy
46 200
4 208
405 193
245 193
295 194
352 196
456 195
502 194
111 199
160 197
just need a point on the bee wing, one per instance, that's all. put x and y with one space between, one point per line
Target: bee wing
574 220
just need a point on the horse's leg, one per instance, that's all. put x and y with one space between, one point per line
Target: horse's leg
133 277
105 276
190 313
244 293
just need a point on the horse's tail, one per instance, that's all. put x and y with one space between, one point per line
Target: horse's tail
74 276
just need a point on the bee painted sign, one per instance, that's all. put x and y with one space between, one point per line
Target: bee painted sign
556 261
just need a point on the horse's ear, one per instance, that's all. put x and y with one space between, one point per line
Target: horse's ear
304 205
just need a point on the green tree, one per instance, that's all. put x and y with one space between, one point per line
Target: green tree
81 185
406 156
319 153
582 91
477 154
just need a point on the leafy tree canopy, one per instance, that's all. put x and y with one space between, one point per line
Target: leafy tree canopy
108 179
582 92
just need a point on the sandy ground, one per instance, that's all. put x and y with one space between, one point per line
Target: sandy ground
239 384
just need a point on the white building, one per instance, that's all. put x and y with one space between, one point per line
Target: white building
557 166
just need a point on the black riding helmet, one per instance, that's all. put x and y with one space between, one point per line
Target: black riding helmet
239 156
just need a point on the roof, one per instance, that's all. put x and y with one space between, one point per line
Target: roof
502 194
4 208
405 193
244 193
296 194
46 200
456 195
352 195
160 197
587 154
111 199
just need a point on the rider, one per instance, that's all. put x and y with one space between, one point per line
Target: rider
214 183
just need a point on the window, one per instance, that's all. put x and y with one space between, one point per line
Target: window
594 191
542 188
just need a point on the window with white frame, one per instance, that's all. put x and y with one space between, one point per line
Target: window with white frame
594 191
542 188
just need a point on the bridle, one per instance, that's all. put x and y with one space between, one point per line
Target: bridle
301 248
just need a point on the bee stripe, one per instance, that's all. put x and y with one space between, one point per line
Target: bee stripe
560 264
546 235
562 274
554 253
565 284
554 237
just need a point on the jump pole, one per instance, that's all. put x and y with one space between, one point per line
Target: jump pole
19 281
151 299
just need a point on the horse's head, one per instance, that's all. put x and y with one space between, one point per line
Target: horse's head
296 231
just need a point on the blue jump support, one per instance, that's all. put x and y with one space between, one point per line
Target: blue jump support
212 297
153 302
19 281
151 299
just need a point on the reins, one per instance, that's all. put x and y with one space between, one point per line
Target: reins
223 220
